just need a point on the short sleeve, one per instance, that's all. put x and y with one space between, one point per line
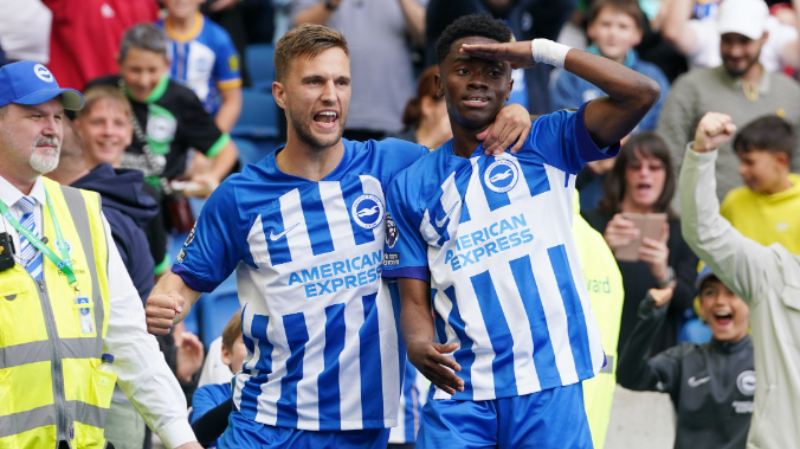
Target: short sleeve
227 67
202 402
216 244
562 140
405 253
197 129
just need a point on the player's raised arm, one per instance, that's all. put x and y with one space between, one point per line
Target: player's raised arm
608 119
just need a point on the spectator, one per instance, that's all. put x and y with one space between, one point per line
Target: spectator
643 181
88 306
604 283
528 19
741 87
380 56
766 278
126 208
425 117
233 353
711 385
700 39
25 30
170 114
86 34
767 210
202 58
615 27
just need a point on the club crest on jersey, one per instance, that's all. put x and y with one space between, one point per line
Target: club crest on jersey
501 176
368 211
746 382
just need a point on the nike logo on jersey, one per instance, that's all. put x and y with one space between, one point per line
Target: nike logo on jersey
502 176
274 237
367 212
439 223
697 382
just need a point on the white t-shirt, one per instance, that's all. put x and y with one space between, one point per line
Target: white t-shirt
706 52
25 30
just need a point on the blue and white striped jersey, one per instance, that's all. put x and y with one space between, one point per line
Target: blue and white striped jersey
493 235
203 60
415 387
320 326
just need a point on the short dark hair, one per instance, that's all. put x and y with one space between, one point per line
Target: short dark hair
648 144
305 41
472 25
629 7
769 133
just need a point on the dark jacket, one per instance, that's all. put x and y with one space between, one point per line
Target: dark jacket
637 280
127 209
711 385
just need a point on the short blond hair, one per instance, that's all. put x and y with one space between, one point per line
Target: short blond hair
94 94
305 41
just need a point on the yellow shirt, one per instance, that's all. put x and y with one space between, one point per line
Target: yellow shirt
604 282
767 219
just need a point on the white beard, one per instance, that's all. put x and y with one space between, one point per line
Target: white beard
44 162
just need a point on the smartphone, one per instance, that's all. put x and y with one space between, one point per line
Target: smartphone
649 225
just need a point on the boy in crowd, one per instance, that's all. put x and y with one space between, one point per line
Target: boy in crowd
767 209
711 385
203 58
615 28
486 243
167 119
234 351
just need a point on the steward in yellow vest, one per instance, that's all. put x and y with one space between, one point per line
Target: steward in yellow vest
50 385
604 282
67 305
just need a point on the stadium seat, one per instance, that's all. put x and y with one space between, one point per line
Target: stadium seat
259 117
260 65
215 309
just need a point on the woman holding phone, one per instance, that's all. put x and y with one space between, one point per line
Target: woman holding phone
642 230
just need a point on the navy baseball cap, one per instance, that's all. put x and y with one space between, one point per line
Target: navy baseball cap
704 274
30 83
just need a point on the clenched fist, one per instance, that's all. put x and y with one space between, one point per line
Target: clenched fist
713 131
161 311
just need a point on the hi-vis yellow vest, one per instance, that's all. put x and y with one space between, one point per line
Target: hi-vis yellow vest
50 385
604 282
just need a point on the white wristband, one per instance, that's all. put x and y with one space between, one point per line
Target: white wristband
549 52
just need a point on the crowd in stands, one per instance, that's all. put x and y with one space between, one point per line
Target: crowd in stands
165 84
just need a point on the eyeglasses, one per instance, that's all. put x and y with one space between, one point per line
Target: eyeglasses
638 166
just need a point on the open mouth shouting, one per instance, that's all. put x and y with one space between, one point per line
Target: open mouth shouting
326 119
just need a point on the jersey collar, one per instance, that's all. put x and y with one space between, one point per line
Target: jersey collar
199 21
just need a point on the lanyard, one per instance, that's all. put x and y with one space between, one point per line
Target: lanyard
63 263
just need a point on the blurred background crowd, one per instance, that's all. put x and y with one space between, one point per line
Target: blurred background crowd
178 96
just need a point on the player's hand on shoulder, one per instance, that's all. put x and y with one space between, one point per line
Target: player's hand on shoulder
509 130
428 358
518 54
161 311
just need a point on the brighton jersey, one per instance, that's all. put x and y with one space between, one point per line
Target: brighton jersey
204 60
494 236
320 327
413 398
